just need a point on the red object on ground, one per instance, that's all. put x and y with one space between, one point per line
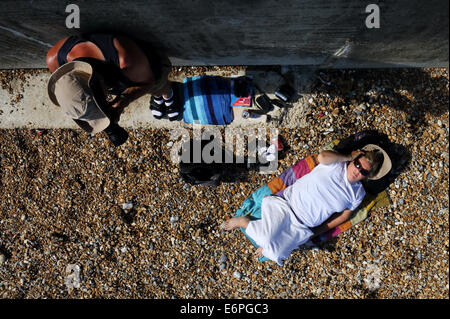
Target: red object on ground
278 143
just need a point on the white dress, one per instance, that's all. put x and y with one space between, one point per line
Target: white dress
285 223
278 231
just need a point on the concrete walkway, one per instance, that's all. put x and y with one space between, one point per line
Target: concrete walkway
24 103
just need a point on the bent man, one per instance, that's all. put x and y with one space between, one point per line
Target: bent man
123 69
332 186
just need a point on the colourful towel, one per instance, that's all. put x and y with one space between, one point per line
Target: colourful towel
207 100
251 206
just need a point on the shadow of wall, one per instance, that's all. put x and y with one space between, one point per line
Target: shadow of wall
406 90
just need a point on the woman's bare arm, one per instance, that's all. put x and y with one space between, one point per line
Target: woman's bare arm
330 157
335 220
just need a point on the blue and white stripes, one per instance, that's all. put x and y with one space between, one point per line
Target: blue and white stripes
207 100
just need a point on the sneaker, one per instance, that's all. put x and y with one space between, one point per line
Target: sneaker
158 109
117 135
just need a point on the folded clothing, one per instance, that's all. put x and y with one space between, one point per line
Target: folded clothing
207 100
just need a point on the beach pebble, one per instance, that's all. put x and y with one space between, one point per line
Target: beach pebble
127 206
223 258
67 183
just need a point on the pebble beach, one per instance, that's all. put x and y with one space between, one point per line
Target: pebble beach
80 218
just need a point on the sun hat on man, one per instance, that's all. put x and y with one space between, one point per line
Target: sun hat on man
75 87
385 161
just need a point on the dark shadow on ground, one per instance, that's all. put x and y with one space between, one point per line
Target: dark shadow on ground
405 89
5 252
401 89
400 156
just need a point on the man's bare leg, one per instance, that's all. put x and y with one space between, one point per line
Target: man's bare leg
165 91
241 221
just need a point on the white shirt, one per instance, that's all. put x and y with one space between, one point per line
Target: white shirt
321 193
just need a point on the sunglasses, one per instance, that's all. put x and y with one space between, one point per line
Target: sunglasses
358 165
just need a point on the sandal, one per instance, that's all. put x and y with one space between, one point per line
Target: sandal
173 111
158 109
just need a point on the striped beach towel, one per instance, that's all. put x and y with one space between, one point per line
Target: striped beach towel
207 100
251 206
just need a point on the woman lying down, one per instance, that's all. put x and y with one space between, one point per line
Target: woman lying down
332 186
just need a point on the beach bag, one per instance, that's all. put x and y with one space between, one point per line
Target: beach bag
213 174
201 173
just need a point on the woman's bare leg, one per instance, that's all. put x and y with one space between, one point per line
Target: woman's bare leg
258 252
241 221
